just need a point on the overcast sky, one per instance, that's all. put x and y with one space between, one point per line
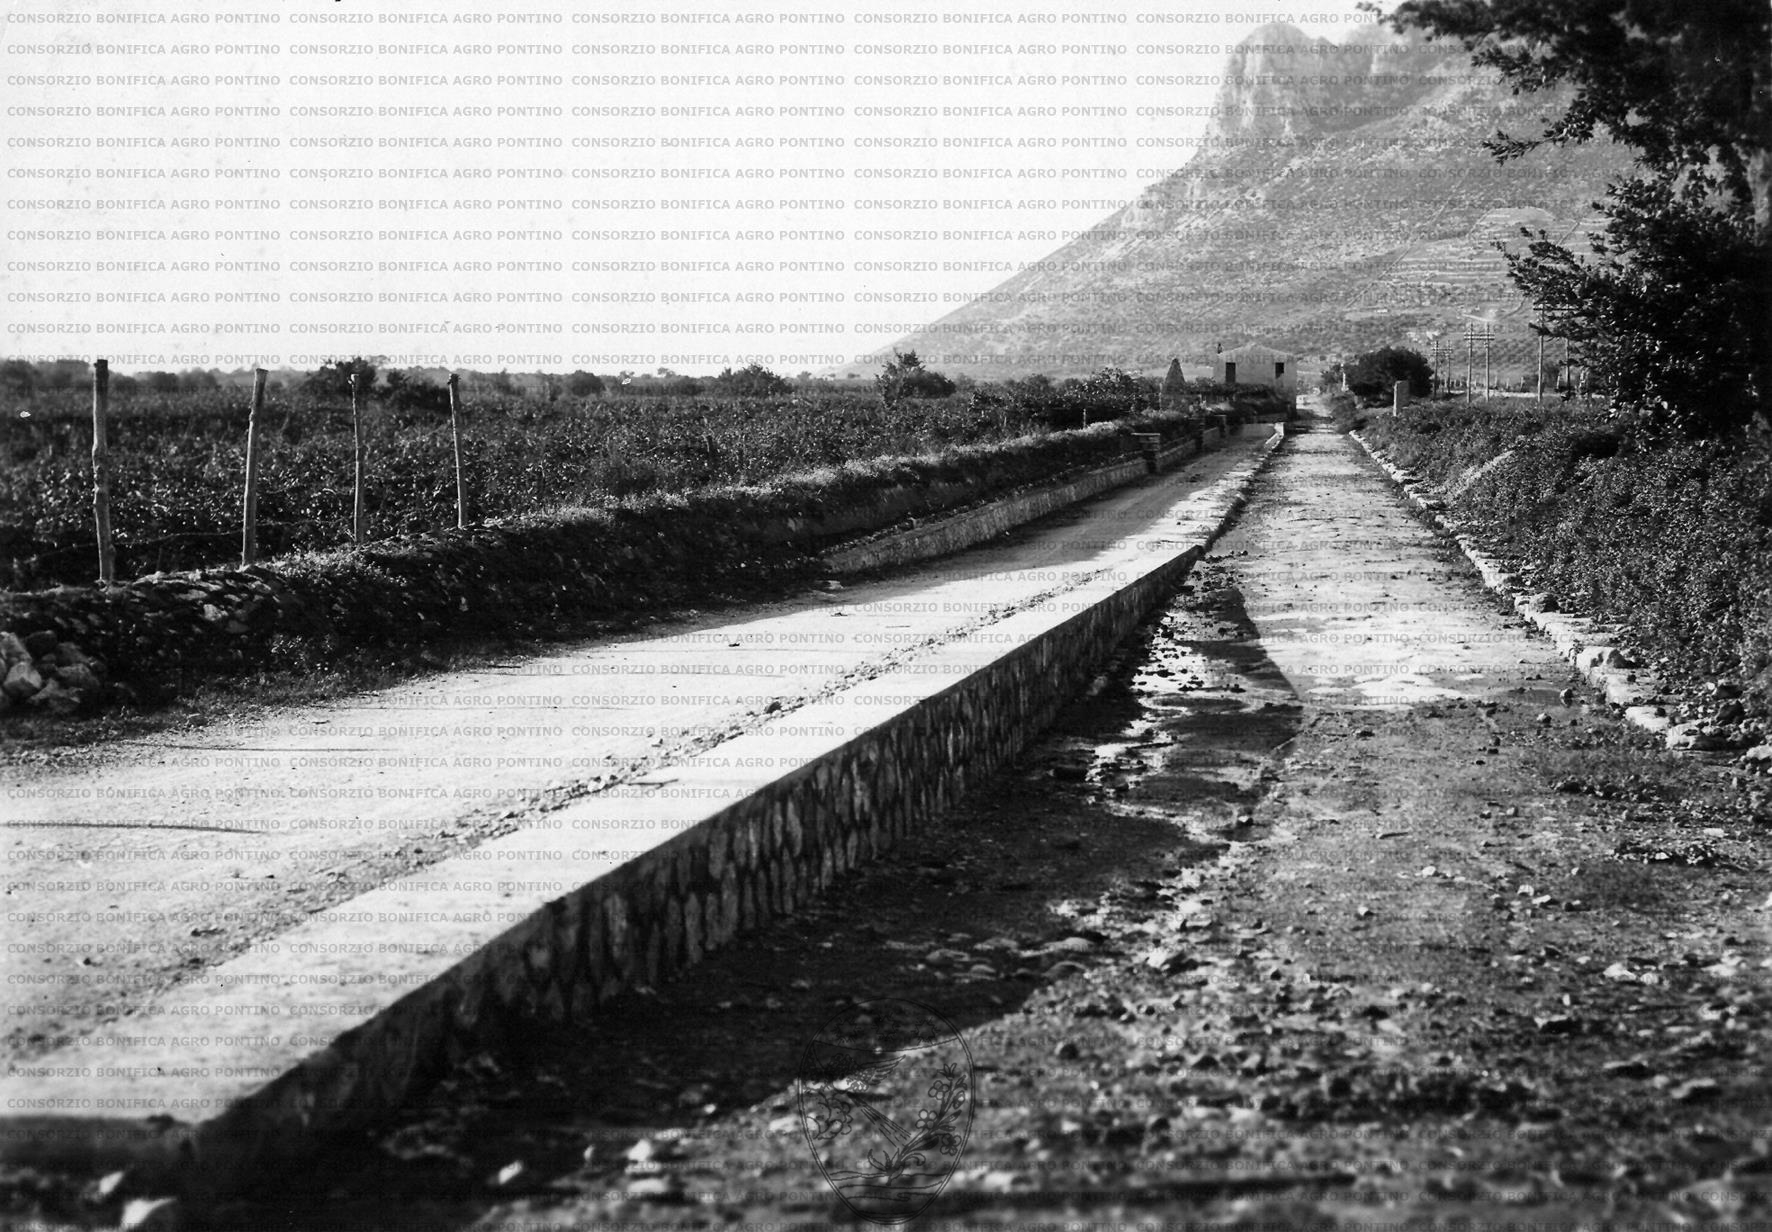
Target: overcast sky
537 187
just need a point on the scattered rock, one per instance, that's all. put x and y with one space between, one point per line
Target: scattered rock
1695 1091
22 681
1170 960
55 698
152 1215
1695 737
664 1188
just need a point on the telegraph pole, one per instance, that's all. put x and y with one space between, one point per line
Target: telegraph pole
1472 335
1470 338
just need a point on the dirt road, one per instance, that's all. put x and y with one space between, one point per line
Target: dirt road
1328 907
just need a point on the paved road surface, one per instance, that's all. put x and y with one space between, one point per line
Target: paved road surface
135 872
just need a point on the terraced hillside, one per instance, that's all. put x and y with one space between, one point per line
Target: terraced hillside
1319 215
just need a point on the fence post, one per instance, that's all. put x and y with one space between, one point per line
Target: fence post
357 471
461 491
101 471
249 505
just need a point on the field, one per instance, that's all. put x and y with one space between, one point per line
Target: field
178 459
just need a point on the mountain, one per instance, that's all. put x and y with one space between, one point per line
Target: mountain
1342 200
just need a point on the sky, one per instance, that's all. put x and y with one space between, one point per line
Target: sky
539 187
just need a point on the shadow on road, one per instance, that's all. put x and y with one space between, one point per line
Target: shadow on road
1157 769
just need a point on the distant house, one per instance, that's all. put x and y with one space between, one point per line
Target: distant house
1254 364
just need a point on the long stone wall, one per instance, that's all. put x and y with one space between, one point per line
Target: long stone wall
662 872
974 526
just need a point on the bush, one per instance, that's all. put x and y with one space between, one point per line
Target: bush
1374 373
750 381
906 377
582 384
1345 409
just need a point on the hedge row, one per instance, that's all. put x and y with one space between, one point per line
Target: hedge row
523 574
1671 540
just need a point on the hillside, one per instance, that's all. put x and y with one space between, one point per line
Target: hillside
1318 215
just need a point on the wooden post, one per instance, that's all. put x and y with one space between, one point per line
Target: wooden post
101 471
357 471
461 491
249 506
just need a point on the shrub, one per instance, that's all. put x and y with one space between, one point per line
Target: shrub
1373 373
906 377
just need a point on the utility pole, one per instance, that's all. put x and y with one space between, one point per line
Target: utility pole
1472 335
101 471
1470 338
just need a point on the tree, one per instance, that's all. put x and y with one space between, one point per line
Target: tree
905 377
1174 389
333 378
1373 373
404 392
751 381
582 384
1677 313
1116 392
64 373
18 378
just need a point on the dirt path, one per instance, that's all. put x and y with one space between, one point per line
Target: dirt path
127 874
1274 929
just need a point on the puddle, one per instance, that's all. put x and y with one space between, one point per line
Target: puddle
1189 724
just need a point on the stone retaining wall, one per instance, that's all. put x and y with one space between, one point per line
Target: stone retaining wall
975 526
743 846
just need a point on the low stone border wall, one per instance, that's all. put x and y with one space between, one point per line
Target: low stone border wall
223 1079
1590 645
974 526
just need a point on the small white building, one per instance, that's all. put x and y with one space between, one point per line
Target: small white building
1254 364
